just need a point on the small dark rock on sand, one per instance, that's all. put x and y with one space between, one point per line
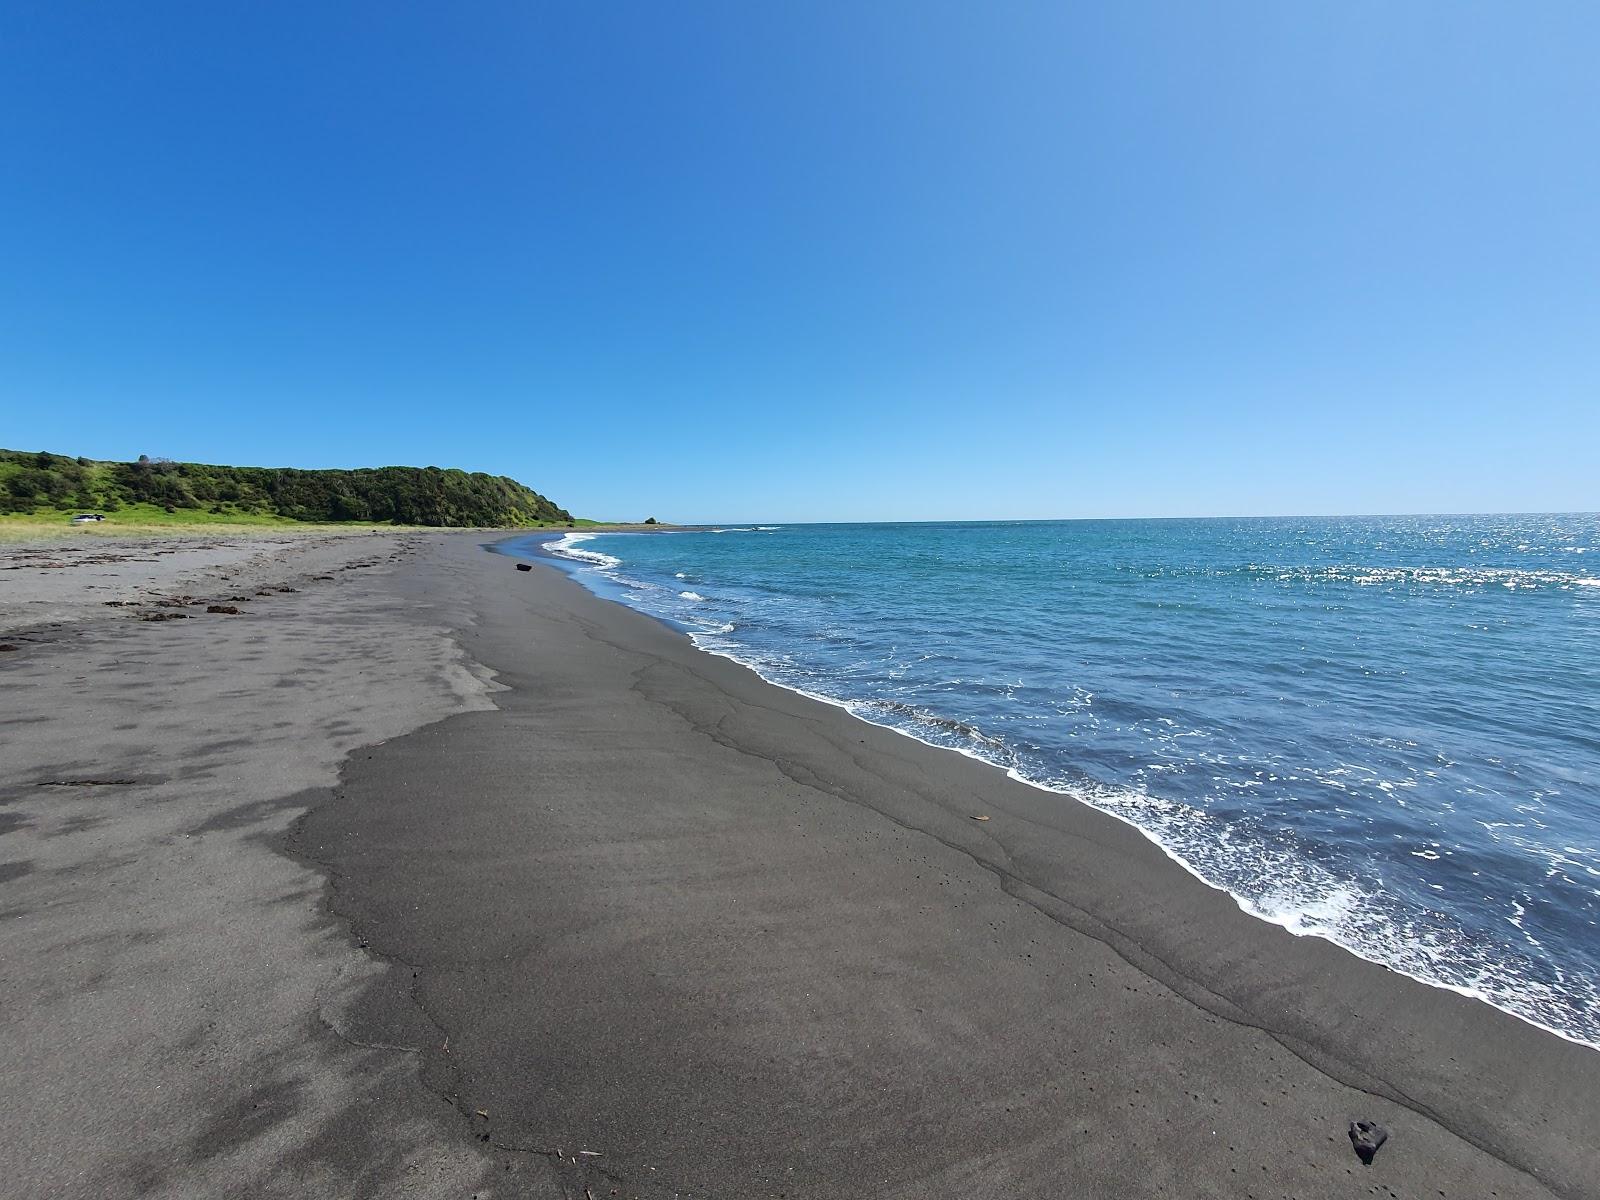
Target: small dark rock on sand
231 610
4 646
1366 1137
165 616
524 566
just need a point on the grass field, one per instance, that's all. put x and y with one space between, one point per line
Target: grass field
151 520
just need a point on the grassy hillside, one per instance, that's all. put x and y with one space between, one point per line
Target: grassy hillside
150 490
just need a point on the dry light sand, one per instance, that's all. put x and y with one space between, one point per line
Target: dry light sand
430 877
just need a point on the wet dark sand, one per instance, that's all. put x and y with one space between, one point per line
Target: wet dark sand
665 930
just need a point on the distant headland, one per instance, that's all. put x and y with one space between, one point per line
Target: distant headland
42 485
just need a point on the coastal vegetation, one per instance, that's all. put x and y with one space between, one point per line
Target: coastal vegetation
158 491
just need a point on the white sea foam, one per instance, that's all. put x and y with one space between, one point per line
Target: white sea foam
1323 913
690 596
570 546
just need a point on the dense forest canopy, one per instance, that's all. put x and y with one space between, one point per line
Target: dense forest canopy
32 481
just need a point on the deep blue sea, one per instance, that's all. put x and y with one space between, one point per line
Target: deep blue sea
1382 731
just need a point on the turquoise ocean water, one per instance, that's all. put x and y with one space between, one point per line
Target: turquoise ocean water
1382 731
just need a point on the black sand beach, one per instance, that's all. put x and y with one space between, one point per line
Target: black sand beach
652 927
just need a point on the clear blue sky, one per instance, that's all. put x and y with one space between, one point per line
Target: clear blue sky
818 260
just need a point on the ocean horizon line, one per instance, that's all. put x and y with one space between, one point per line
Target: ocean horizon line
1328 516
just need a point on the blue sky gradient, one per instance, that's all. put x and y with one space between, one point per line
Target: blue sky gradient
742 261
